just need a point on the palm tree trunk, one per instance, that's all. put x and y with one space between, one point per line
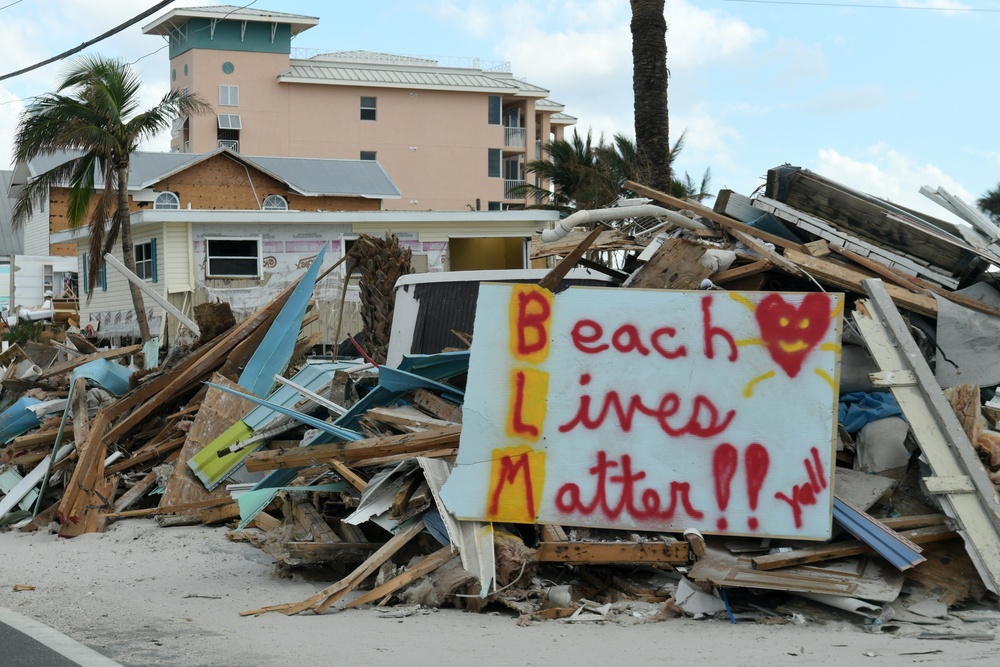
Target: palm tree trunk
649 88
128 253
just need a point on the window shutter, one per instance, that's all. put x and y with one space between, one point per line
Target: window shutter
104 277
152 252
86 275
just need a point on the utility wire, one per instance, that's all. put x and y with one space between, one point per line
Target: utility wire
11 4
100 38
853 5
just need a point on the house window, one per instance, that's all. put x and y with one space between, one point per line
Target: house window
230 125
234 258
493 206
166 201
145 260
368 108
494 110
368 155
229 96
87 287
493 168
275 203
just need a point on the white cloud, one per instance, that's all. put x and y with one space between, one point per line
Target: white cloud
853 100
892 175
795 63
10 111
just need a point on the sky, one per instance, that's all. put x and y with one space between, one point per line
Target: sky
881 95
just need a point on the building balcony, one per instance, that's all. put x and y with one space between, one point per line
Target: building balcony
510 189
514 137
231 144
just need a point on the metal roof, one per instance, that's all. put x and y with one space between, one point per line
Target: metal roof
342 73
306 176
562 119
171 20
395 71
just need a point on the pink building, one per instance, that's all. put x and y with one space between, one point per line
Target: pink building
451 136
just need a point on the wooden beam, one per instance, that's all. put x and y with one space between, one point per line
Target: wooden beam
408 443
845 277
600 553
843 548
67 366
751 269
426 566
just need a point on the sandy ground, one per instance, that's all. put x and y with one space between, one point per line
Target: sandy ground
145 595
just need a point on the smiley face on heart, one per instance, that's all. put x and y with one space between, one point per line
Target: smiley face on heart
790 332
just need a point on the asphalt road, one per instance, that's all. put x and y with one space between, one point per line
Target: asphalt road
24 642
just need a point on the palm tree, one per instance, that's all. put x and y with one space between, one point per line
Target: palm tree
649 90
95 116
585 175
989 203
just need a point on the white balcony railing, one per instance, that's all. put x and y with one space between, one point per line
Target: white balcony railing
538 149
509 189
231 144
514 137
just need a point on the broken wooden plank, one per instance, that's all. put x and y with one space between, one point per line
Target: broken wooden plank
751 269
937 430
602 553
329 595
426 566
675 265
405 416
850 279
408 443
844 548
437 406
72 364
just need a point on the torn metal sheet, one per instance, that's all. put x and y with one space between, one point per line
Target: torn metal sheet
968 342
435 367
380 492
895 548
18 419
474 539
105 374
272 356
24 487
214 463
852 605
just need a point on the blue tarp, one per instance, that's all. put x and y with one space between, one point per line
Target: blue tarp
859 408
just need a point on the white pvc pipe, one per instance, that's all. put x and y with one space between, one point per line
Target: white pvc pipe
619 213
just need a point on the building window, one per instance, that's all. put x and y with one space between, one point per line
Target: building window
275 203
233 258
368 155
494 206
493 168
166 201
230 125
229 96
494 109
368 108
145 260
87 287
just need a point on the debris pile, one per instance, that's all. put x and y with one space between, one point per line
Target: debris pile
354 468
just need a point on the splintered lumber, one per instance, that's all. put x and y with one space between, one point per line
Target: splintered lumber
409 443
675 265
602 553
317 552
349 476
405 416
559 271
72 364
188 508
848 547
147 454
845 277
329 595
727 223
426 566
83 494
308 517
189 374
751 269
437 406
